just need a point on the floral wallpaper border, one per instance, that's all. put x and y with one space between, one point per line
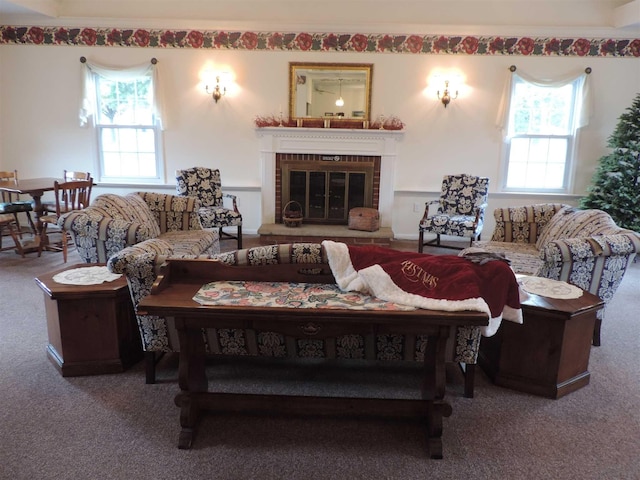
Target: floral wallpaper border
321 42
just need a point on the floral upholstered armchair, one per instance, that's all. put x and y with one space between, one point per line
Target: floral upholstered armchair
581 247
204 184
460 212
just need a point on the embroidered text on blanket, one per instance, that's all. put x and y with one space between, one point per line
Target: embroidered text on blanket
415 273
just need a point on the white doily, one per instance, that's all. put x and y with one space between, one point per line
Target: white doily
546 287
86 276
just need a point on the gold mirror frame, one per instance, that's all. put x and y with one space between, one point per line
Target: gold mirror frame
315 87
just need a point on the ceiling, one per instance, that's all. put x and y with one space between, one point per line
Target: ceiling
333 15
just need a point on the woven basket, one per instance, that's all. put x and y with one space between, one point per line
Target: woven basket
365 219
292 214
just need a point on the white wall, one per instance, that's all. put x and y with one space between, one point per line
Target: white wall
40 136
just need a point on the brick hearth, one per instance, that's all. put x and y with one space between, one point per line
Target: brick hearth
277 233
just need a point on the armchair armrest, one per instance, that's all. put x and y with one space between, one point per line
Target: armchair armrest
426 208
98 236
140 264
578 249
96 226
234 200
128 259
75 222
595 264
480 209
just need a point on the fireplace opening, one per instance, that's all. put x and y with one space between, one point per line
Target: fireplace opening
326 187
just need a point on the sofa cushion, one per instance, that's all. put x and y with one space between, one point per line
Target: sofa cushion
156 246
570 222
131 208
523 224
524 257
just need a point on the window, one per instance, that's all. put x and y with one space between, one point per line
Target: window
127 119
542 122
127 132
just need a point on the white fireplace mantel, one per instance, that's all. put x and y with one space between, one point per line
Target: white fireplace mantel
329 141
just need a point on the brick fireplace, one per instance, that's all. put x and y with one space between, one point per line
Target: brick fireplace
326 187
328 146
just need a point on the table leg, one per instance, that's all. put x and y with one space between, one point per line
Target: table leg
30 246
433 390
189 413
192 380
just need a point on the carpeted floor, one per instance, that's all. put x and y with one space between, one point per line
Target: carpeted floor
117 427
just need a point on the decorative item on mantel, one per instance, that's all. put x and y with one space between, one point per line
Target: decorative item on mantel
263 121
381 123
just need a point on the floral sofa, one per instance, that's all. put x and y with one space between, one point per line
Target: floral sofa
582 247
141 264
113 222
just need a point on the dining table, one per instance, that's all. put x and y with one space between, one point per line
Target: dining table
35 188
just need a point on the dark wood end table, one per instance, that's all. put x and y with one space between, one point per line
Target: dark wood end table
548 355
92 328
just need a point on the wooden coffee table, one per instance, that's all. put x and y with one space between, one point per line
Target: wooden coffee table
548 355
173 296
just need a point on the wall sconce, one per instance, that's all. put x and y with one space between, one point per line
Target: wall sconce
446 96
218 90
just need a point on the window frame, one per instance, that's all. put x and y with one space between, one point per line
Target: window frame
101 127
90 117
572 137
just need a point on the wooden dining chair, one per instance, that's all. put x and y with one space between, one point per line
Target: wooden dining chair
7 221
10 207
73 195
68 176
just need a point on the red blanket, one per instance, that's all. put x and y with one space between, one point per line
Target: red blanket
437 282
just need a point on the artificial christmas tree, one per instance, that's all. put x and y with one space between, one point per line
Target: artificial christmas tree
616 182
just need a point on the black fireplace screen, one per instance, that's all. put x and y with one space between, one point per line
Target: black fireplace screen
327 190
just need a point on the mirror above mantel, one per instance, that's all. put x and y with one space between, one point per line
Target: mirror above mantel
340 91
